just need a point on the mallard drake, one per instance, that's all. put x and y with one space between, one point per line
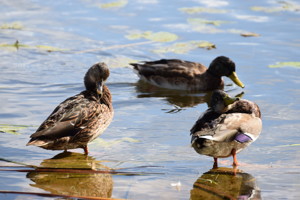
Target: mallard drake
79 119
227 127
185 75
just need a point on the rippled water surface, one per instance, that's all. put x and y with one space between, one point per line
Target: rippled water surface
149 135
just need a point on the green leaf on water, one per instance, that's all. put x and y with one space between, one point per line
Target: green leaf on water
118 61
289 145
17 45
266 9
13 25
249 34
204 21
12 129
114 4
194 10
285 64
49 48
153 36
185 47
102 142
284 6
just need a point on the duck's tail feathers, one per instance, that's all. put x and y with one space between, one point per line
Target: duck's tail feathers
38 143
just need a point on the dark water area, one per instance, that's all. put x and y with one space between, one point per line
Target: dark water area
59 41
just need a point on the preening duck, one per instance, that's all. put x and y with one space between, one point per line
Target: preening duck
79 119
227 127
186 75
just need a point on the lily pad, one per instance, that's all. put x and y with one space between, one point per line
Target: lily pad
249 34
49 48
194 10
289 145
285 6
18 45
185 47
204 21
119 61
114 4
12 129
285 64
153 36
102 142
13 25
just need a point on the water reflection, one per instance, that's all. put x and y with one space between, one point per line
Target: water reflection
222 183
80 184
178 98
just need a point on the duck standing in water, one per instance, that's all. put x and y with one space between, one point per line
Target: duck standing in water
185 75
79 119
227 127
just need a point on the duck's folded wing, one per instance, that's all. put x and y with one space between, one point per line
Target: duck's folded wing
169 68
66 121
231 124
207 121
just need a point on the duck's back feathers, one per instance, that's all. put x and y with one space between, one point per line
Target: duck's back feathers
245 106
169 68
205 122
177 74
77 114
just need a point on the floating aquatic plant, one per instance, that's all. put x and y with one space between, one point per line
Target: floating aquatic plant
194 10
12 129
249 34
118 61
153 36
285 6
102 142
204 21
114 4
13 25
285 64
18 45
185 47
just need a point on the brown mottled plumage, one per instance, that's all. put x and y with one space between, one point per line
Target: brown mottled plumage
79 119
185 75
227 127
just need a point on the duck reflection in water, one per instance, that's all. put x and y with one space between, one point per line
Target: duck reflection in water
225 183
179 99
76 184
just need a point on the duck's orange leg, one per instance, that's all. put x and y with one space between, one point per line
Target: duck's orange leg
215 163
86 150
233 153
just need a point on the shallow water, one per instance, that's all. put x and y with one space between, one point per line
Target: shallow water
151 125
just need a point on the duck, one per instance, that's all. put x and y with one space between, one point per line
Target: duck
227 127
79 119
185 75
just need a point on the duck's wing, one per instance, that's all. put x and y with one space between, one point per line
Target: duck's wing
205 122
226 127
68 118
169 68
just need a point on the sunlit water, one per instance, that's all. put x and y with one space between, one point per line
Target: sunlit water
151 126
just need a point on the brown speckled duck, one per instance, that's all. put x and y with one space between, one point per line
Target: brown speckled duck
79 119
185 75
227 127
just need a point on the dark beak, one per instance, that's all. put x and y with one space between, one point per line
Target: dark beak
100 88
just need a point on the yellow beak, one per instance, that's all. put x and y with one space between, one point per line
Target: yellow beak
229 100
236 80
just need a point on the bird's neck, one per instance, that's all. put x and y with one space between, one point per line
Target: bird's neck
106 97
